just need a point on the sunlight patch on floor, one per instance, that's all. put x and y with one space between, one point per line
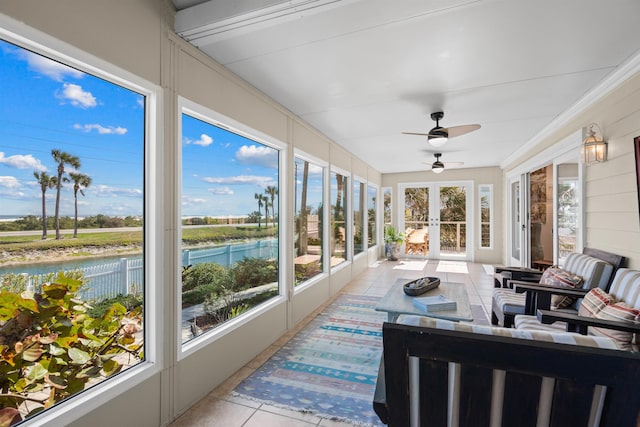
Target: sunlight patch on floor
452 267
411 265
488 268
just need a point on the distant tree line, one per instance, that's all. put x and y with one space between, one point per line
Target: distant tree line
34 222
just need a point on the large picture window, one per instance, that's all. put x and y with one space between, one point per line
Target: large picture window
229 224
486 215
372 215
72 272
359 195
339 185
308 243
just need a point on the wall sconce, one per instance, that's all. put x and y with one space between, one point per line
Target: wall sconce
594 148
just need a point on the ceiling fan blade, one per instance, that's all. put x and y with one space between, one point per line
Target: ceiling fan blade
451 164
461 130
415 133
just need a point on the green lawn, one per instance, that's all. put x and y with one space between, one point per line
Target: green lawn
133 238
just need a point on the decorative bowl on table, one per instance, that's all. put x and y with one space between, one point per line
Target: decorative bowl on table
420 286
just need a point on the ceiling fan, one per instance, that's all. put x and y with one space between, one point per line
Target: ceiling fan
438 136
438 166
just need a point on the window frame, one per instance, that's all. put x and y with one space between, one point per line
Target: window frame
88 400
377 205
348 243
326 246
489 187
363 216
200 112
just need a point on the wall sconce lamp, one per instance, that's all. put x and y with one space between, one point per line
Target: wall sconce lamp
594 147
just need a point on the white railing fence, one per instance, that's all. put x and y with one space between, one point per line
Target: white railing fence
126 276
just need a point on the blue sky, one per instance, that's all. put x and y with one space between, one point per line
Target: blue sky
222 171
46 105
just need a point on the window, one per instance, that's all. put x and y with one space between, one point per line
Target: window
386 196
358 216
568 209
72 190
229 224
486 216
372 217
339 185
308 242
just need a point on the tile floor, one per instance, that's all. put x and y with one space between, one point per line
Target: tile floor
222 409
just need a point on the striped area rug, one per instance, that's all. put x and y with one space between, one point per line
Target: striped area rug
329 368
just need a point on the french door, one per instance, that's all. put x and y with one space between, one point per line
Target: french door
545 214
437 220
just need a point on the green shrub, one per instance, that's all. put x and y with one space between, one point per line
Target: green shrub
205 274
129 302
52 348
251 272
199 294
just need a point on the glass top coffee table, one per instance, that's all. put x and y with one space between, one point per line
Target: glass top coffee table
396 302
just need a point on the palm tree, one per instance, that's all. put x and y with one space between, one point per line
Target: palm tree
260 198
303 232
62 158
272 191
80 180
45 182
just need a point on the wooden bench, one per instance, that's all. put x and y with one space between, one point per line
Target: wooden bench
456 374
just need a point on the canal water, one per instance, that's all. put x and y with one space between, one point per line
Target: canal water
221 254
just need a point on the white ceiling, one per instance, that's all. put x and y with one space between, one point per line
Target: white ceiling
363 71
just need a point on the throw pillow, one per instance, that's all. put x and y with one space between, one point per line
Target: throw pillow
619 312
555 276
594 301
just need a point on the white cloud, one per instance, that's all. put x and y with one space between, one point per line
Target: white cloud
221 191
101 129
191 201
262 181
49 67
77 96
10 182
107 191
20 161
257 155
204 140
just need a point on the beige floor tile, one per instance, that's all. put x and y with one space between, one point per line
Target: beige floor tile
268 419
302 416
212 412
232 382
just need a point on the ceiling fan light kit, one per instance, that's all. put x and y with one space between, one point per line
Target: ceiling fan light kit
438 136
437 166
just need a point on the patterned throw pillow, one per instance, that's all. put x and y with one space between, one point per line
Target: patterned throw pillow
619 312
594 301
555 276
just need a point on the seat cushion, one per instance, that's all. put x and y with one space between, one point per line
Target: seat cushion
557 277
563 337
595 272
506 300
531 323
